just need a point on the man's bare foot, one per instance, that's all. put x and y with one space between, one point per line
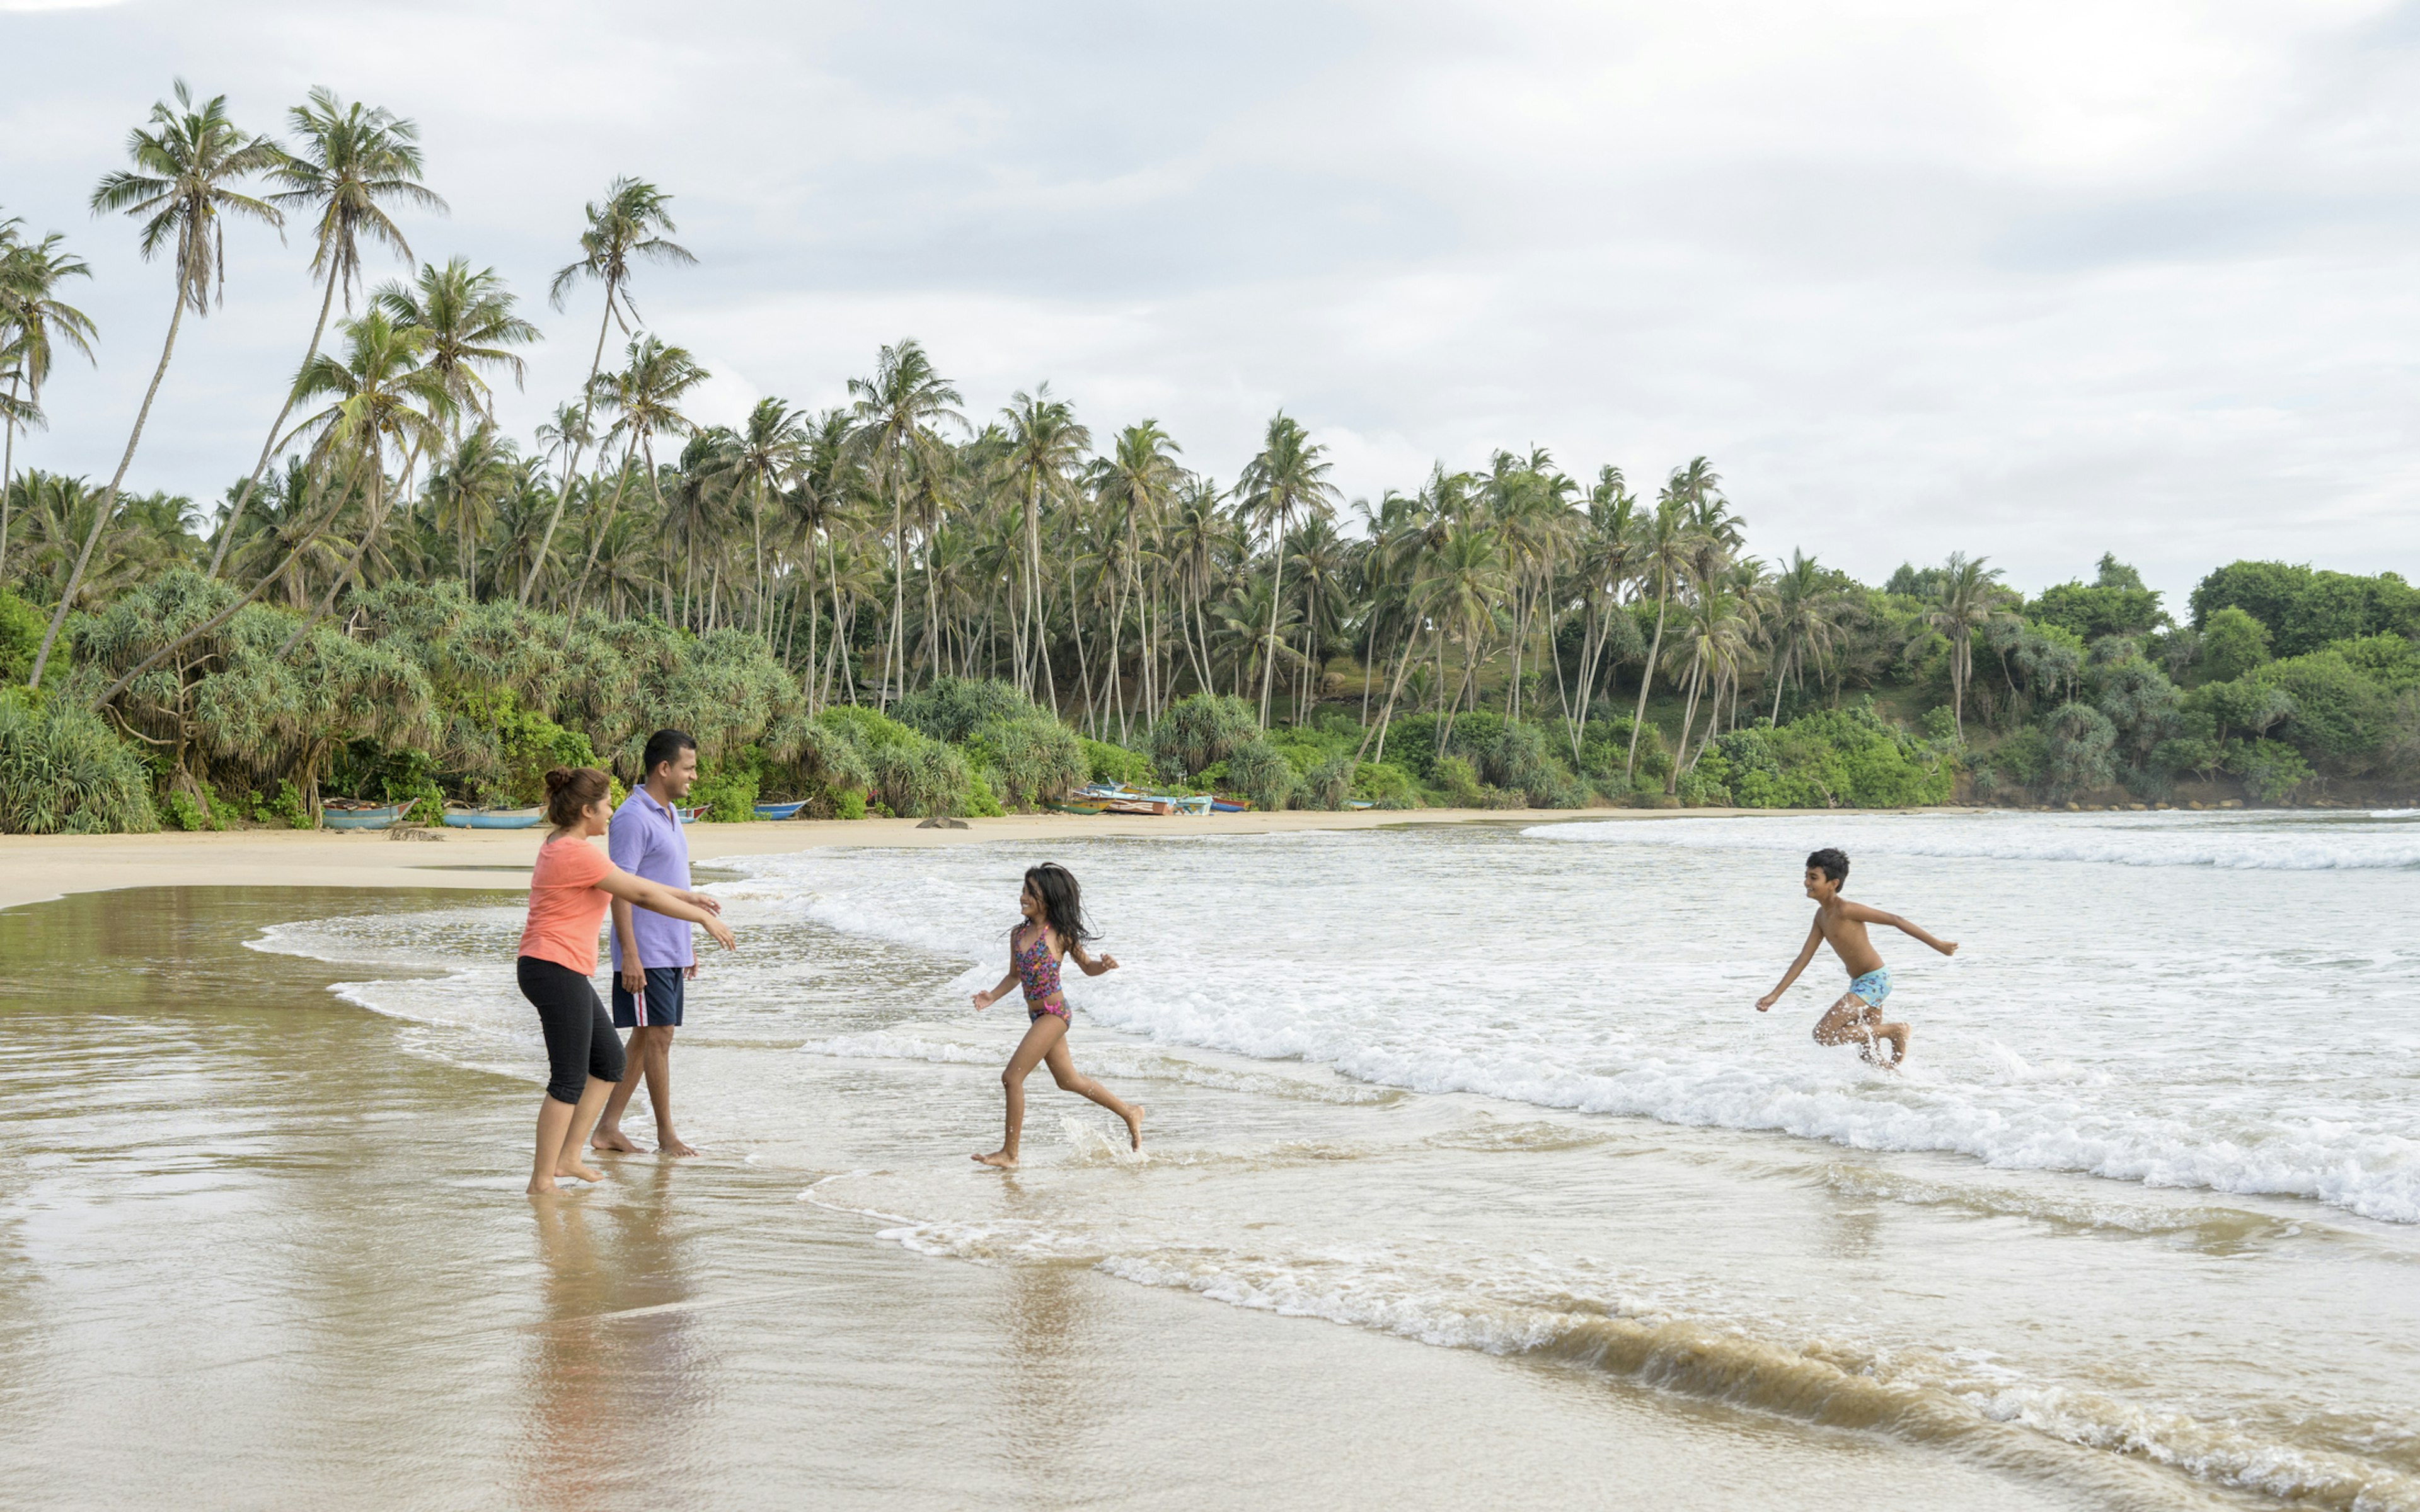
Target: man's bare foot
1134 1124
579 1172
669 1143
614 1139
1001 1158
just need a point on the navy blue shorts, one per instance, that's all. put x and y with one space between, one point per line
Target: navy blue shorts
663 1000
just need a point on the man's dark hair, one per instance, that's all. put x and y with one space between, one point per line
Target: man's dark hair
664 745
1832 862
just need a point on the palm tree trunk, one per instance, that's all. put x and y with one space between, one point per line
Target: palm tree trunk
1402 667
587 400
1276 591
1688 720
361 547
109 500
8 475
895 647
235 511
1646 680
597 542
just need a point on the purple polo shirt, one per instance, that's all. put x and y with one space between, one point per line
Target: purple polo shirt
645 839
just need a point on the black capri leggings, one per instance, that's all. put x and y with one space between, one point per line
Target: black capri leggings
579 1039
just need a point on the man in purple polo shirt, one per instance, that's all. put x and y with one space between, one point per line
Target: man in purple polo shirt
652 959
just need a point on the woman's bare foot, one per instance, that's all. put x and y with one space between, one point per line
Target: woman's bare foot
668 1143
545 1189
1001 1158
614 1139
1134 1123
579 1172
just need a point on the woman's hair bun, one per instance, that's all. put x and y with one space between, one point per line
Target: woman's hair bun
557 778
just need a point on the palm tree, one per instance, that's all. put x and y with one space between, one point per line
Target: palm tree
768 449
1663 554
629 224
1965 602
894 418
470 325
1805 613
473 478
1046 445
1135 485
1287 478
181 186
1713 644
646 396
381 391
350 161
1603 564
32 320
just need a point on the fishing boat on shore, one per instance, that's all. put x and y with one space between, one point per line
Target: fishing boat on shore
780 810
492 818
691 813
1226 805
352 813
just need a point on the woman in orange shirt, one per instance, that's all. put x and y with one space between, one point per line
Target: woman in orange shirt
571 887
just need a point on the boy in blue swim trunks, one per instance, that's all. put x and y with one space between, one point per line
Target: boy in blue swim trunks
1857 1017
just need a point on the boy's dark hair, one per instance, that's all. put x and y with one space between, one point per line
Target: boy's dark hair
1062 901
1832 862
664 745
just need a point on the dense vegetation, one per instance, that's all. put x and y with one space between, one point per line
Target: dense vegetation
892 606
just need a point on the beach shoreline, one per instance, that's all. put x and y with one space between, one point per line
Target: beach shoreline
38 868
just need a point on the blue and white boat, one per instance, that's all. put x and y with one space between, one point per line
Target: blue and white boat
780 810
493 818
358 815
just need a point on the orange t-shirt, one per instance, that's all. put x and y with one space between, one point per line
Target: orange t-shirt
566 908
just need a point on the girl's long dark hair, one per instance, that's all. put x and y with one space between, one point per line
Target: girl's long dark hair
1063 901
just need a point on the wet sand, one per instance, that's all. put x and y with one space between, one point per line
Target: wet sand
254 1252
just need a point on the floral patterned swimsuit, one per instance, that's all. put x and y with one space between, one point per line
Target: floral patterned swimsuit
1037 967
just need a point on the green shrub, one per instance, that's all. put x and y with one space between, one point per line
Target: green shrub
1105 763
951 708
1256 770
2232 644
1200 732
920 778
20 636
729 793
2270 769
982 802
848 803
1033 755
2340 714
1831 758
1385 784
1327 785
62 772
2079 745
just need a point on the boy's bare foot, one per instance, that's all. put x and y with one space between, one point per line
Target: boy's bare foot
1001 1158
614 1139
1134 1124
1898 1034
668 1143
573 1168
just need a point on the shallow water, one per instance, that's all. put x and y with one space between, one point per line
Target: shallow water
2138 1221
259 1248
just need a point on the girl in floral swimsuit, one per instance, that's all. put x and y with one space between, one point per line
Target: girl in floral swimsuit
1053 926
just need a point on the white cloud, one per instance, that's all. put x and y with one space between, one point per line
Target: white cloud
2035 282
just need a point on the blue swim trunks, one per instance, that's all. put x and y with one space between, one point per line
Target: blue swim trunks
1873 987
660 1007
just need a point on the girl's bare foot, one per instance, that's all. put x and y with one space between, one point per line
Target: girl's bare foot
573 1168
670 1144
545 1189
1001 1158
614 1139
1134 1123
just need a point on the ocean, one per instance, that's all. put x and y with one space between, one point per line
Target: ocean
2141 1217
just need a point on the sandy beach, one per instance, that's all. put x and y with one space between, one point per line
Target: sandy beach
36 867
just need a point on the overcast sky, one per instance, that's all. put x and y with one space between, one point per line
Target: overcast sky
2033 282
